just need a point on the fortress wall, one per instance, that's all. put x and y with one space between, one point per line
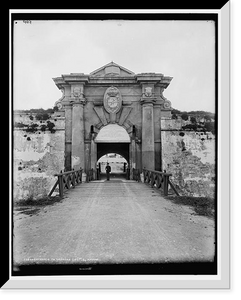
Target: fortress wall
190 157
37 156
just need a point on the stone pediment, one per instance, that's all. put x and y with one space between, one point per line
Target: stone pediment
111 69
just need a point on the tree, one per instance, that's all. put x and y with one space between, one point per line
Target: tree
175 111
210 126
184 116
193 120
207 118
42 116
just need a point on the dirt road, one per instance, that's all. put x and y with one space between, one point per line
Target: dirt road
118 221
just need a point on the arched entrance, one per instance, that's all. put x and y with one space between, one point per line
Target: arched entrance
117 163
119 148
112 138
112 133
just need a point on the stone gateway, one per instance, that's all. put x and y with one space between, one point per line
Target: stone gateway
113 110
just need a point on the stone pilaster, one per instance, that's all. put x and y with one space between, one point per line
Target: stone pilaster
148 82
132 156
93 158
78 145
157 137
148 145
68 135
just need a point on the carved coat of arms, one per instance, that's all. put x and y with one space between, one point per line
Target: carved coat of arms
148 91
77 92
112 100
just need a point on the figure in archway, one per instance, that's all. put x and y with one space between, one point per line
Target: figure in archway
108 170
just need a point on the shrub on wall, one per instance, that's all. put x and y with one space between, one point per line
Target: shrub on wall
193 120
43 128
42 116
19 125
210 126
32 128
51 126
184 116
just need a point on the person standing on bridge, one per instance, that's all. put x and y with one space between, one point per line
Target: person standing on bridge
108 170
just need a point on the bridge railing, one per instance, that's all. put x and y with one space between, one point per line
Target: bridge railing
66 180
159 180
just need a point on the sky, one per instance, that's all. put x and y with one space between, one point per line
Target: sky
184 50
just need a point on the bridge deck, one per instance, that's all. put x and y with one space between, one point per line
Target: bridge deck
118 221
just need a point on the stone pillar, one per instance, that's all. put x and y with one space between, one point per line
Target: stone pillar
157 136
148 145
68 136
78 144
72 86
138 156
87 155
148 82
93 158
132 158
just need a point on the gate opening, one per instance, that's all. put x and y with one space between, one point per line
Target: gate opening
117 163
113 144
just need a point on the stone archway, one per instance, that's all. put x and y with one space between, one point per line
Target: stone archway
111 138
113 97
120 148
112 133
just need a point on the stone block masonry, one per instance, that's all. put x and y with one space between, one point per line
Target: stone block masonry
37 156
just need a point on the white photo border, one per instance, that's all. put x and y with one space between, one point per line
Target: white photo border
222 279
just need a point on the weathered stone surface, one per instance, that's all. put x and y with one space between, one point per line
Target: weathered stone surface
32 185
191 161
36 158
